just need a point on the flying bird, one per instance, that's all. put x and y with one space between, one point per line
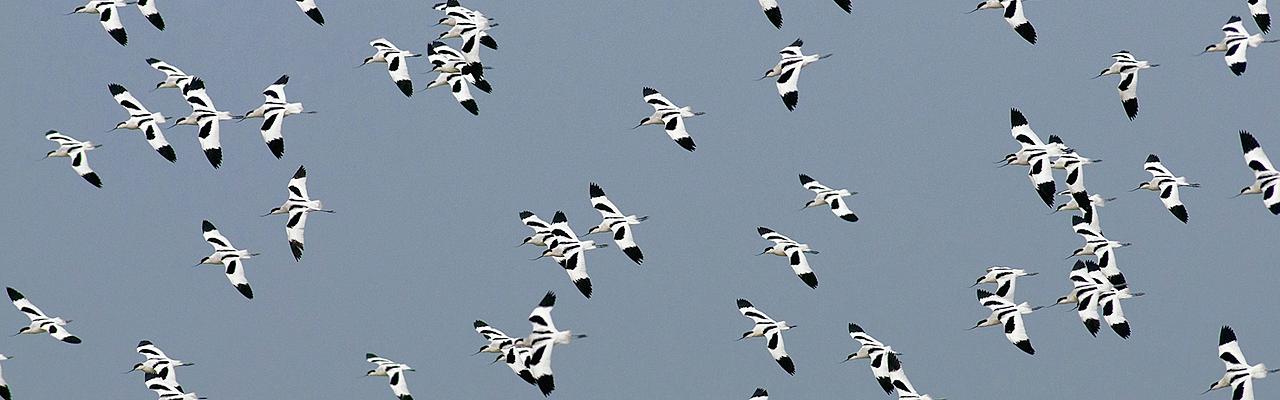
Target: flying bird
542 339
1009 316
774 14
564 247
297 206
174 78
1240 375
1005 278
1127 67
616 222
793 251
1166 184
207 118
394 372
770 330
309 7
825 196
884 361
226 255
788 72
108 15
143 120
159 368
1265 175
77 151
497 341
1258 9
1035 154
541 229
1013 14
273 111
449 60
670 117
41 323
397 63
1235 43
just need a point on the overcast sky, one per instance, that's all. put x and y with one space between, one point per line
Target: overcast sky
910 112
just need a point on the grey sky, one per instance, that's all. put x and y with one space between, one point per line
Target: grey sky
910 112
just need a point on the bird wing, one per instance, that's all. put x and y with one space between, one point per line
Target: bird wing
1237 39
274 93
23 304
210 139
1229 349
61 333
539 364
1016 330
109 16
1128 89
490 333
461 91
883 365
1242 388
309 7
748 310
215 238
376 360
532 221
80 163
149 10
398 69
272 124
841 208
151 351
657 100
778 350
1013 15
792 50
294 230
800 265
540 317
601 202
1255 157
1005 285
789 82
1113 314
1022 130
235 274
1156 168
399 386
62 140
168 69
1258 9
156 139
772 236
771 11
813 185
382 44
1124 57
1169 197
673 123
298 186
126 100
1041 176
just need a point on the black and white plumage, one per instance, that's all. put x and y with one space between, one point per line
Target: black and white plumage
78 152
1073 163
1092 292
793 251
566 249
109 15
448 60
469 25
541 229
309 7
226 255
884 361
1127 66
825 196
1165 183
770 330
174 78
1235 43
788 72
1094 241
160 370
143 120
1009 316
4 386
297 206
543 337
1265 176
1258 9
905 390
774 14
1014 15
459 87
1005 278
394 372
149 10
616 222
671 118
273 111
397 63
1240 375
759 394
207 117
496 340
1035 154
40 322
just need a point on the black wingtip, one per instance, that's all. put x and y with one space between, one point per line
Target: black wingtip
245 290
1093 326
284 79
93 179
548 300
153 60
846 5
1016 118
760 392
168 153
315 15
1233 19
528 377
1122 329
886 384
634 254
487 41
470 105
1275 208
851 217
214 156
809 279
525 214
156 21
982 293
1027 32
775 16
301 173
1025 346
805 179
406 87
144 343
207 226
797 43
1055 139
686 143
742 303
855 328
120 36
1131 108
116 89
546 385
296 248
648 91
14 295
790 99
1180 212
763 231
1046 190
1248 142
277 147
559 217
787 365
71 339
1227 335
1238 68
1153 158
596 191
479 323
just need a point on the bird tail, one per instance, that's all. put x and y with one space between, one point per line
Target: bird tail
1025 308
1259 371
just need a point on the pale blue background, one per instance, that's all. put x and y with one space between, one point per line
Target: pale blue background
910 112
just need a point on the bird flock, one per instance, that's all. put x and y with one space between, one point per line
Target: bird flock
1097 285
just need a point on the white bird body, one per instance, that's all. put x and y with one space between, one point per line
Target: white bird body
40 322
771 330
1009 315
666 113
825 196
1127 66
397 63
788 72
226 255
794 252
614 221
77 151
1240 374
394 372
1164 182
